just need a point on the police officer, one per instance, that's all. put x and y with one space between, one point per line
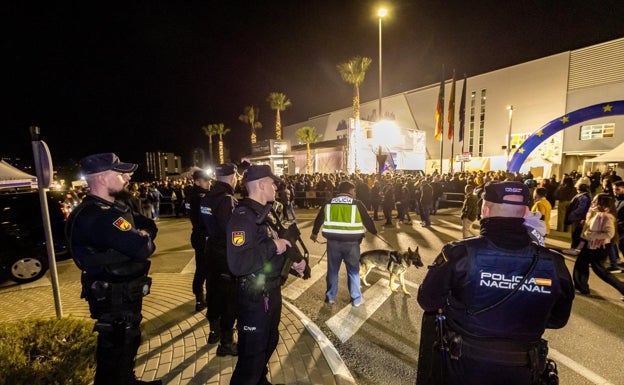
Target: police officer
111 244
488 300
216 209
255 256
199 189
345 221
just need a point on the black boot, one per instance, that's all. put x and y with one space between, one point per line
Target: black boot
215 332
227 347
135 381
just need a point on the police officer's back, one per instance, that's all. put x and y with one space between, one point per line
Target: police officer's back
498 293
111 244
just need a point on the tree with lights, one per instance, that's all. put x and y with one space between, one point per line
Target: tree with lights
278 102
209 130
308 135
250 116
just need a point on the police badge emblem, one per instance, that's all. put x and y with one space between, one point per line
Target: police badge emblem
122 224
238 238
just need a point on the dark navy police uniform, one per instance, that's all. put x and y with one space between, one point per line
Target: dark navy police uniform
252 257
113 256
492 337
216 208
198 242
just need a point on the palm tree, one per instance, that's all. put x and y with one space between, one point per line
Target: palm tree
220 130
353 72
279 102
250 116
210 132
308 135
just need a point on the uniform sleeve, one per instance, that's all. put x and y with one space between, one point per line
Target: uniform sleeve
144 223
247 247
111 230
224 212
366 219
318 221
560 313
438 283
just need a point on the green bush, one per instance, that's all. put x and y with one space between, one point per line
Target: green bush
47 352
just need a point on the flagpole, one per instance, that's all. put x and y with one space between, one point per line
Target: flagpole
462 122
442 85
451 121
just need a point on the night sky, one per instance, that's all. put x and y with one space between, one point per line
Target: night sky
145 76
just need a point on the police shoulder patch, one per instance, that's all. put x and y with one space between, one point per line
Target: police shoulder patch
122 224
238 238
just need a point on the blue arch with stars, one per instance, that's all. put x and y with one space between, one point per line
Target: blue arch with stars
575 117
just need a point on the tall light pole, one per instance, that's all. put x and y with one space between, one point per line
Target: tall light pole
510 109
381 13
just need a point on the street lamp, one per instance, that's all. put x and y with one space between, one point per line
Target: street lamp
381 13
510 108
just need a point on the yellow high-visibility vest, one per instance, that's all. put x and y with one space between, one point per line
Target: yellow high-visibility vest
343 217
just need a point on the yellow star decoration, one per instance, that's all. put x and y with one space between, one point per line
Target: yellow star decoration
540 133
565 119
607 108
521 150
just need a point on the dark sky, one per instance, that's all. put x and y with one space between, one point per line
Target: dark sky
131 77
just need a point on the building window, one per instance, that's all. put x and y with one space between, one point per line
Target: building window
473 96
482 124
597 131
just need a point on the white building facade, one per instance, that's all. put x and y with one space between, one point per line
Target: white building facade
520 100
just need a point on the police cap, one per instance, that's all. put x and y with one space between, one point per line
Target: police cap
96 163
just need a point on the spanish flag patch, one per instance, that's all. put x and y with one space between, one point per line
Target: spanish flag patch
122 224
238 238
543 281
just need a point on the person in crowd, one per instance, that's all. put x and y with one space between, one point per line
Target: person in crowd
542 205
201 277
491 331
564 194
575 216
283 197
255 255
112 244
426 202
402 206
375 199
387 203
438 191
155 197
469 212
618 190
599 230
147 209
216 210
345 221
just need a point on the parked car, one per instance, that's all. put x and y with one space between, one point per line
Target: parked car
23 255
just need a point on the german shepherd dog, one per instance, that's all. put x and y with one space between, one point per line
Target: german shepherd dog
392 261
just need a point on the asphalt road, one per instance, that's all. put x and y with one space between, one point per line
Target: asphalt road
379 340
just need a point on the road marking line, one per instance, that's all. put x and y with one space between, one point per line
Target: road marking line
578 368
349 319
329 351
299 286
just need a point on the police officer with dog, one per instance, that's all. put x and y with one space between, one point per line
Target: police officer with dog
216 209
111 244
256 256
488 300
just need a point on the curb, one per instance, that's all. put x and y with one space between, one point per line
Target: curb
342 375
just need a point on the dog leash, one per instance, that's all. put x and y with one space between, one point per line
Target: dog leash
386 242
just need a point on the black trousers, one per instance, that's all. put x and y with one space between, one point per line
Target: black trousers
595 258
202 266
258 335
119 337
222 303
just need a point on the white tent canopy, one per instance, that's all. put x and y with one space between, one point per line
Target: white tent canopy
11 177
613 156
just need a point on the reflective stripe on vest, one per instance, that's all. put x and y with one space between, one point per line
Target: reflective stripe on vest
343 217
